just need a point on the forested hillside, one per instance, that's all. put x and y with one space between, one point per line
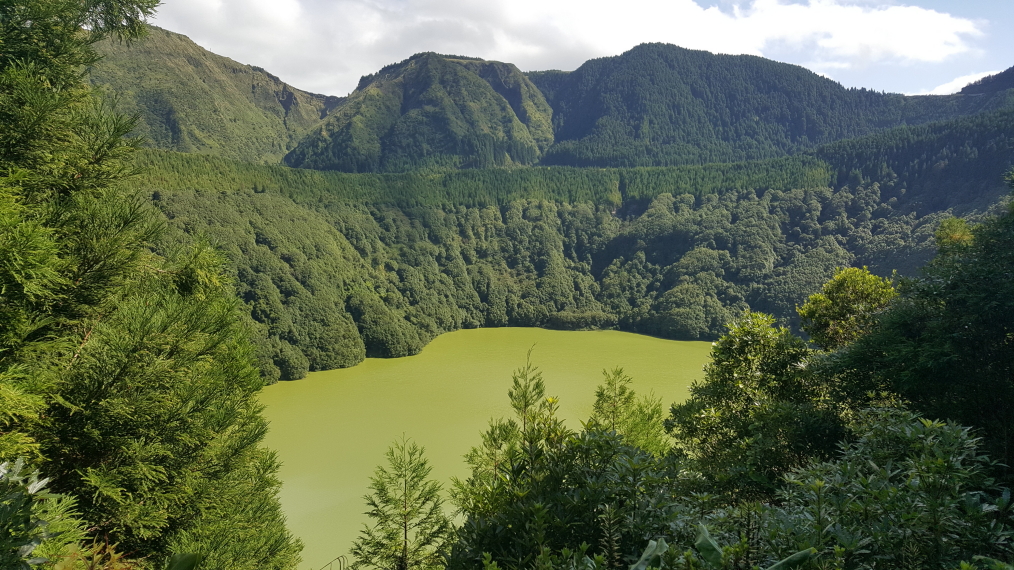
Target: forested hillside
432 111
191 100
382 263
129 426
660 104
655 105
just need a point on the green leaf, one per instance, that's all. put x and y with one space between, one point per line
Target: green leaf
652 553
709 549
993 563
795 560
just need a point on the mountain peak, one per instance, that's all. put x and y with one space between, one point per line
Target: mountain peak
191 100
432 110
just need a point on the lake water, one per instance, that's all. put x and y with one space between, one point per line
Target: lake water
332 428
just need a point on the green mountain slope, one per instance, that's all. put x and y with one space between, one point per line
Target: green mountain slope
385 262
191 100
432 110
947 164
660 104
425 231
655 105
991 84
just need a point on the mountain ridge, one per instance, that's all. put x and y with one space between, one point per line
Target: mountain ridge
654 105
662 105
189 99
432 110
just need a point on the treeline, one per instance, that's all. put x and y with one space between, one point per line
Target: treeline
940 164
480 187
776 174
788 454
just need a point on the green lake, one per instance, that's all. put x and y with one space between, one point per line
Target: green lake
332 428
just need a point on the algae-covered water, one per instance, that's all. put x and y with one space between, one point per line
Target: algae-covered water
332 428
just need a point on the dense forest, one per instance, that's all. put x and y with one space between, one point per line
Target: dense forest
386 262
856 412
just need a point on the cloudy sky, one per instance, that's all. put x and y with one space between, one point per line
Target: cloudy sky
906 46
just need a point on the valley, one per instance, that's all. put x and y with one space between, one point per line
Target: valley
223 297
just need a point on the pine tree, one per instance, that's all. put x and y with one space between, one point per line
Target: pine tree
612 399
617 408
410 529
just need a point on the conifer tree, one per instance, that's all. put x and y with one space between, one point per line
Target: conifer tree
125 376
612 399
617 408
410 530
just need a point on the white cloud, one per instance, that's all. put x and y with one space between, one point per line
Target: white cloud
325 45
955 85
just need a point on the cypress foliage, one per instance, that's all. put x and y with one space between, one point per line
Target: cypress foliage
129 380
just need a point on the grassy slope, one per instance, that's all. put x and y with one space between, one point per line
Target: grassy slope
191 100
